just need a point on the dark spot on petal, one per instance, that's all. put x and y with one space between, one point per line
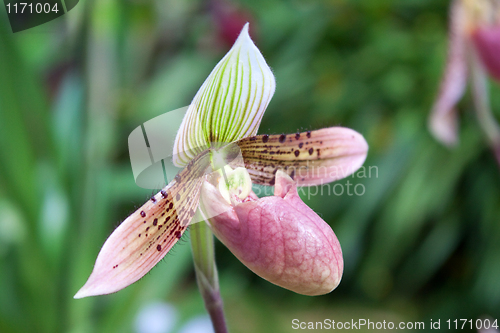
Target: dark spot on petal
297 136
143 214
265 138
144 222
170 206
147 228
296 153
178 197
177 178
282 138
164 194
155 222
308 134
272 181
301 144
178 234
153 199
292 174
317 150
139 235
311 151
158 247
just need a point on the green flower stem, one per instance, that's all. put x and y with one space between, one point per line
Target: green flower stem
202 244
486 119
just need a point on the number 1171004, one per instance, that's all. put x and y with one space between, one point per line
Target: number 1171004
30 8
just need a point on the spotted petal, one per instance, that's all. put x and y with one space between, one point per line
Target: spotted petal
230 103
144 238
309 158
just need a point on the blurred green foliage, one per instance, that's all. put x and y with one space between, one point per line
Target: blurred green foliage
421 243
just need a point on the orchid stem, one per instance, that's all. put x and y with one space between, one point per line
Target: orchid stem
202 244
487 121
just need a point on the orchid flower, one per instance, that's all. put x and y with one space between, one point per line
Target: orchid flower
474 45
278 237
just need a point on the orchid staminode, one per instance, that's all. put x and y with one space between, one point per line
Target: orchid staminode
278 237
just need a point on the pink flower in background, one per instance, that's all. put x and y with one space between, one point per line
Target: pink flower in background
486 38
473 50
229 19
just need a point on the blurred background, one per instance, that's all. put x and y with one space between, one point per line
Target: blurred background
422 242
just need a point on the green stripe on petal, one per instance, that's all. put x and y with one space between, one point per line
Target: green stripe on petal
230 104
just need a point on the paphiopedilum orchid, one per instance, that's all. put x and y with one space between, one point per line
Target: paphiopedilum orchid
278 237
474 45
